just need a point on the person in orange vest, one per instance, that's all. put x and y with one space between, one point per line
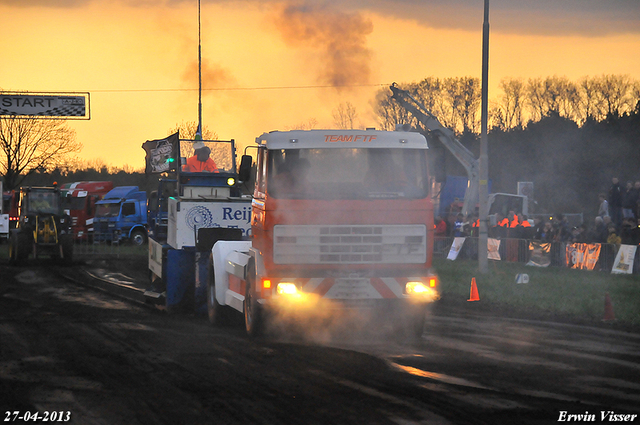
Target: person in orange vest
200 161
475 225
499 230
504 222
513 219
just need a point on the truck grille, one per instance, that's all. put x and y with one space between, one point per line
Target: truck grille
357 244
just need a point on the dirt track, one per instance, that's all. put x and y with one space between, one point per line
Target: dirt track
66 347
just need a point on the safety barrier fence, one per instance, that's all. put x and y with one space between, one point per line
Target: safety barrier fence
598 257
104 245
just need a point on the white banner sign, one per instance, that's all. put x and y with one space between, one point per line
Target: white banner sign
494 246
624 259
456 246
45 105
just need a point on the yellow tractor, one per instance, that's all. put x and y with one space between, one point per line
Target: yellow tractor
43 227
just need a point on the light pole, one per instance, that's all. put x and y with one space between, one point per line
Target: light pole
483 251
199 130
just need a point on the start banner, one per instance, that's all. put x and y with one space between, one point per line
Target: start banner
45 105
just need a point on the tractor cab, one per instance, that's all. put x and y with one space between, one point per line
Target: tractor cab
42 226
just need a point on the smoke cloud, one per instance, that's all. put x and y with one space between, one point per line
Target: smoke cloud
548 17
213 75
338 37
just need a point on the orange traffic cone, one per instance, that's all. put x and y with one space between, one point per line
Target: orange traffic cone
473 296
608 309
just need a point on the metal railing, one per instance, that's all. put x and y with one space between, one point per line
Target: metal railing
98 245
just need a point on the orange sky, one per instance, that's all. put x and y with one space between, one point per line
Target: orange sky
261 57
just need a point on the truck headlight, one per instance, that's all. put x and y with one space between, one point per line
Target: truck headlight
231 181
287 288
422 290
416 288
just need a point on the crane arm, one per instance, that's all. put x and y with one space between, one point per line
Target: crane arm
447 138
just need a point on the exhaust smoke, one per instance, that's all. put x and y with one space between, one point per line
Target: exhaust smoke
213 75
339 37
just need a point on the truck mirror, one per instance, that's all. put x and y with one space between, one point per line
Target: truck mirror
245 168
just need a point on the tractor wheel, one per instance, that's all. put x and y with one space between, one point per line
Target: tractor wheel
253 318
138 238
13 249
19 248
66 245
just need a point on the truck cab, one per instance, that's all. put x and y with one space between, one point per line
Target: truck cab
199 198
79 201
158 208
122 216
341 219
10 207
4 216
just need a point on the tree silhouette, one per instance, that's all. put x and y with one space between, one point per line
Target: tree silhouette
344 116
34 144
188 131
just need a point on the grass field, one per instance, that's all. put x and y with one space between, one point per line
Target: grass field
552 293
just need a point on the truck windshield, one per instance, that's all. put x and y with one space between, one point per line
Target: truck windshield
111 209
373 173
74 203
207 156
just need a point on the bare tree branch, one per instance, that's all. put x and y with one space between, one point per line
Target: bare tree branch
30 144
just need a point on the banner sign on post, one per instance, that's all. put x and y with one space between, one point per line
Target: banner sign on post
494 246
540 254
624 260
161 155
45 105
456 246
582 256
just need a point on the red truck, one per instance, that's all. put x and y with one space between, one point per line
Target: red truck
10 207
79 200
340 220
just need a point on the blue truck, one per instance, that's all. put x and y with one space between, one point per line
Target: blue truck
121 216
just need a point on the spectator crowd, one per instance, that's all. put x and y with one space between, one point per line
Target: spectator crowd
617 222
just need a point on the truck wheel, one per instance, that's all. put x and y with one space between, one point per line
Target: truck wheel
416 324
252 312
216 311
138 238
409 324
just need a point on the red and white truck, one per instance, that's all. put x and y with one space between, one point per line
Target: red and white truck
10 208
79 201
340 220
4 216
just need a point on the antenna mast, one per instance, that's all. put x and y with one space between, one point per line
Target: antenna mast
199 131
